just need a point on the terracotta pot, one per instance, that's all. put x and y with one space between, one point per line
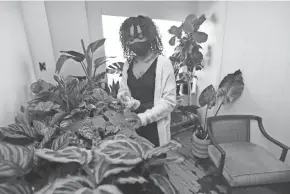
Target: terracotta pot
199 146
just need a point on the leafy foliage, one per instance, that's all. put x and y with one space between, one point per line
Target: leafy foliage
187 52
230 88
75 137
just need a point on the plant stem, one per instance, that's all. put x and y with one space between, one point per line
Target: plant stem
84 68
205 119
89 173
89 64
219 108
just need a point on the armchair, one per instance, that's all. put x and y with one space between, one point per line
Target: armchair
241 162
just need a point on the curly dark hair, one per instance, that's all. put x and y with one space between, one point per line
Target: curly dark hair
149 30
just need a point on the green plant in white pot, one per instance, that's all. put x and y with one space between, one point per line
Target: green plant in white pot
230 89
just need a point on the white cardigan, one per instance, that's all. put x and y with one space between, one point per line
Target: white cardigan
164 98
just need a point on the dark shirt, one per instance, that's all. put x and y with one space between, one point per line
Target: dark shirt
142 89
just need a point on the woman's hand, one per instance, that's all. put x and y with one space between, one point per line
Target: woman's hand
134 120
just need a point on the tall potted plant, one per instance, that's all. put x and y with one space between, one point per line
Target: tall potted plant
230 88
187 51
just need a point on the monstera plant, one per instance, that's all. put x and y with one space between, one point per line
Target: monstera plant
230 88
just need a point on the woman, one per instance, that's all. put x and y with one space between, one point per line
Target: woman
148 84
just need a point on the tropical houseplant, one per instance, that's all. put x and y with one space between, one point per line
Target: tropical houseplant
230 88
187 51
74 137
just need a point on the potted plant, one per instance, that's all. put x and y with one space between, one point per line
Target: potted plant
187 51
229 89
74 137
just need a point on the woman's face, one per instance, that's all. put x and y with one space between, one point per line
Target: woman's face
135 35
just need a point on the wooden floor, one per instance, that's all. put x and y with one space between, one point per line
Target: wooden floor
194 175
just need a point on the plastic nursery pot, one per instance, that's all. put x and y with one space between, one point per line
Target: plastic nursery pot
200 147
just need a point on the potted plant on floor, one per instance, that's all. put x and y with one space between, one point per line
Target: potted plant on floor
186 56
187 53
229 89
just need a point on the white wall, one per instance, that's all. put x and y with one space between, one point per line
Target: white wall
17 72
55 26
254 37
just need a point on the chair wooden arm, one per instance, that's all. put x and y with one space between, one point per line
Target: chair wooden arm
284 147
220 149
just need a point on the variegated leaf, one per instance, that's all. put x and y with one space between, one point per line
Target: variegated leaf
168 160
172 145
69 154
145 144
18 187
67 186
131 178
40 127
19 131
47 136
121 151
87 132
15 160
107 189
163 183
62 141
104 168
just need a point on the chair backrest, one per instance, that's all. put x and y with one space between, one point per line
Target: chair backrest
230 128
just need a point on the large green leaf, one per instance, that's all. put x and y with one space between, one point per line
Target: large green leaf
130 178
49 96
16 187
199 37
69 185
207 97
47 137
95 45
172 145
121 151
231 87
104 168
78 57
69 154
162 161
107 189
15 160
19 131
163 183
62 141
101 60
61 60
58 117
187 24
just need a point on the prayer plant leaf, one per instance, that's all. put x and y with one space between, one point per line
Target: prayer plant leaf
107 189
231 87
104 169
163 183
15 160
19 131
130 178
62 141
69 185
155 152
121 151
69 154
17 187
